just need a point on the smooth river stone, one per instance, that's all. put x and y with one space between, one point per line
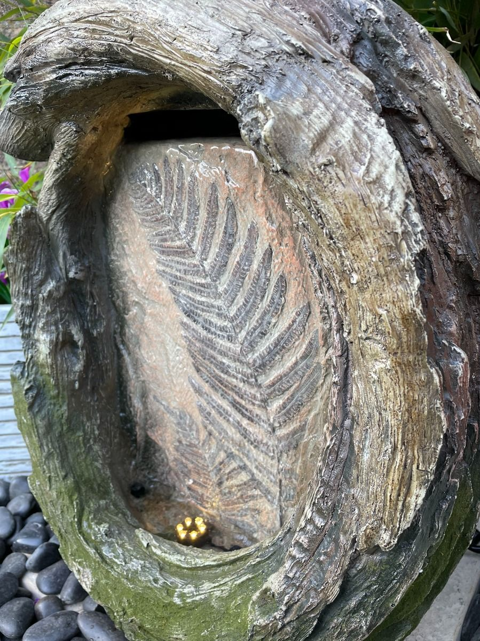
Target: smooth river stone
72 591
96 626
22 504
61 626
8 587
18 486
47 606
15 564
4 492
7 523
15 617
45 555
19 522
36 517
52 579
29 582
89 605
29 538
3 549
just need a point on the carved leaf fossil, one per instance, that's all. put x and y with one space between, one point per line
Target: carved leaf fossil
255 358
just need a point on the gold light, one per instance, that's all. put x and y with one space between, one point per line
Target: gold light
192 531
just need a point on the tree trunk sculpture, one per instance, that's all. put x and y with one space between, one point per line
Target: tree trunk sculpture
278 332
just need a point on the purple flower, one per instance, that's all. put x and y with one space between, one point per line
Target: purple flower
3 278
24 174
5 191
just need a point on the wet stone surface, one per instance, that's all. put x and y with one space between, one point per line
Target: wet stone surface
40 598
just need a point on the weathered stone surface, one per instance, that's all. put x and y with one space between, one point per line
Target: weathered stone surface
365 201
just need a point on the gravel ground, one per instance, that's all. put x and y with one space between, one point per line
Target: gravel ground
40 599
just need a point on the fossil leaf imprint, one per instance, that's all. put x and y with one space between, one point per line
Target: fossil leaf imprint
255 360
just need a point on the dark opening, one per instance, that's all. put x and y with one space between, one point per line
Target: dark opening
186 123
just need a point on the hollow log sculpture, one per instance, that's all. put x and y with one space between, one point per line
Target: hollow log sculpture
277 332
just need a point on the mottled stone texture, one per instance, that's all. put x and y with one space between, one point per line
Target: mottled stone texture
222 343
293 318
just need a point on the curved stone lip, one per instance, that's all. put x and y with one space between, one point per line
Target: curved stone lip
198 558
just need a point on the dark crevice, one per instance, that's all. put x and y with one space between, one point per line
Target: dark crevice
180 124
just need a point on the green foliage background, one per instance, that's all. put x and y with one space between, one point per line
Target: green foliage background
456 24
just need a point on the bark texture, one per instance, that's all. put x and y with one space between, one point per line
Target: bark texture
369 132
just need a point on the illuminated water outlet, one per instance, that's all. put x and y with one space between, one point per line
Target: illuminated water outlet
192 532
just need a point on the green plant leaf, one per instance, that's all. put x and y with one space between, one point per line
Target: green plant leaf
472 71
5 297
10 14
11 312
10 160
449 18
4 225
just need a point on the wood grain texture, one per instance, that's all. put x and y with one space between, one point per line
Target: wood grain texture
358 118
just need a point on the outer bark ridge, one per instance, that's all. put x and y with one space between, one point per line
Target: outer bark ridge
398 446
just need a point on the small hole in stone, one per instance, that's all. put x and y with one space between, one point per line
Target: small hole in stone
137 490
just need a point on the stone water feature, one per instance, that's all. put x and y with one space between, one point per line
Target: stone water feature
267 317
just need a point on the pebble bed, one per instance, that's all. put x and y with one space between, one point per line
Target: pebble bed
40 598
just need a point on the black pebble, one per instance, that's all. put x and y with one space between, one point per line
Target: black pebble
61 626
18 486
3 549
45 555
4 492
15 617
29 538
7 523
96 626
72 592
22 504
18 526
89 605
47 606
52 579
8 587
24 592
14 563
36 517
